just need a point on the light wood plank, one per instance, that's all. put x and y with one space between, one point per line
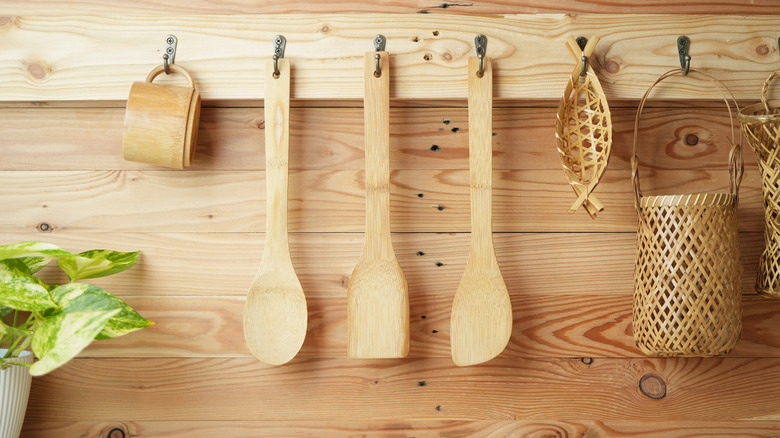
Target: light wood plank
87 7
722 389
332 138
333 201
223 264
589 325
96 58
401 428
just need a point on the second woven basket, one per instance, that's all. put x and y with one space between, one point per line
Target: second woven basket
760 123
688 275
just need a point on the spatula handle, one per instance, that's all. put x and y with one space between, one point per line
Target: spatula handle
481 154
377 141
277 141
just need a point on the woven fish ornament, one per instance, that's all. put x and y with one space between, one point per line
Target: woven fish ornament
584 129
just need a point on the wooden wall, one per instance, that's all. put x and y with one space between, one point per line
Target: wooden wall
571 368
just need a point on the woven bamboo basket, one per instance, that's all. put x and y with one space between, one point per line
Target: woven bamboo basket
584 130
688 275
760 124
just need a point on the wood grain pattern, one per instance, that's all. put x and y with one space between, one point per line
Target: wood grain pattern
406 428
49 7
333 201
214 389
330 138
545 326
207 264
325 50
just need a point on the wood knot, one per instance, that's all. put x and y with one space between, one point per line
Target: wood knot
612 66
427 57
5 20
325 29
115 431
36 70
763 49
653 386
447 56
43 227
691 140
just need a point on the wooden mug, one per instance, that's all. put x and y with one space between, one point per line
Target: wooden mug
161 121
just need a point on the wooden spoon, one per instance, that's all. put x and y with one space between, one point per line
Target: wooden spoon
378 296
481 320
275 313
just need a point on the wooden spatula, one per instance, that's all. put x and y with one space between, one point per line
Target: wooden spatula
275 313
481 320
378 296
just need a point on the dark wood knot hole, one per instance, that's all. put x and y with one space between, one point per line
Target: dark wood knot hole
653 386
116 433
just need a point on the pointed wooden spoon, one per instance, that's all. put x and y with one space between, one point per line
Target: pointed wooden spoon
275 313
481 321
377 296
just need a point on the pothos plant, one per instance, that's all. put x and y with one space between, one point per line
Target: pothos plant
57 321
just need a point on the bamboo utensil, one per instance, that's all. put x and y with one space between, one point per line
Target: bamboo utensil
584 129
275 313
378 296
688 275
760 124
481 321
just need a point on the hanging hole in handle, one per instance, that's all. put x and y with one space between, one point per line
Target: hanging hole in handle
378 68
173 68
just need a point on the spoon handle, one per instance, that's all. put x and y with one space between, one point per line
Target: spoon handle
481 157
376 114
277 139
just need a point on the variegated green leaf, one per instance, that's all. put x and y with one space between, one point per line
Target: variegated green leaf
97 263
35 264
19 289
62 336
13 331
31 249
83 296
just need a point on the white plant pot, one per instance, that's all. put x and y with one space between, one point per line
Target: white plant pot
14 392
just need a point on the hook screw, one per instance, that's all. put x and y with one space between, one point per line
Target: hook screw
480 44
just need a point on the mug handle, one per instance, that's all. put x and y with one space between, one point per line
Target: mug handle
174 68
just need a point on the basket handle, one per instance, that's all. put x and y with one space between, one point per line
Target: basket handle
736 165
765 88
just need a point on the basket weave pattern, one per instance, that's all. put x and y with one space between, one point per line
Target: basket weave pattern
584 132
760 124
687 299
688 275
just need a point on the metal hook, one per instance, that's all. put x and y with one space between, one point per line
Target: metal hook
683 43
169 57
582 42
280 42
379 46
480 44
